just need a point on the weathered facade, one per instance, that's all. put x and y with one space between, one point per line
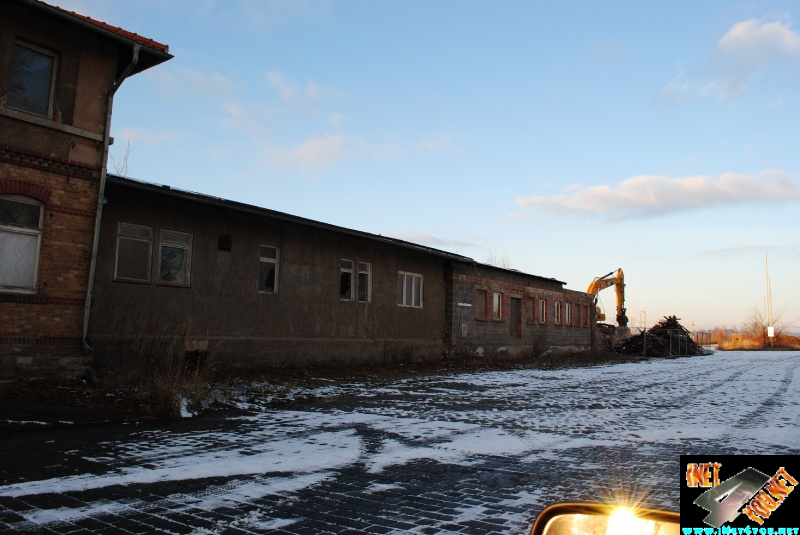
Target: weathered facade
259 288
58 75
249 286
491 309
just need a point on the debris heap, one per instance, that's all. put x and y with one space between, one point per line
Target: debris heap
667 338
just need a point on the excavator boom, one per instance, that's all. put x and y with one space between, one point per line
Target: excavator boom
616 279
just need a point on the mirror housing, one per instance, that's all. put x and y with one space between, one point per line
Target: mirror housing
602 519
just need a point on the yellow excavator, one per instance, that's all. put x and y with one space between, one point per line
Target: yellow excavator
616 279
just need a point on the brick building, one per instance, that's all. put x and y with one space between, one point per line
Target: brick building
250 286
505 310
58 75
259 288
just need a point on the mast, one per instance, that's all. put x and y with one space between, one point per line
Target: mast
770 326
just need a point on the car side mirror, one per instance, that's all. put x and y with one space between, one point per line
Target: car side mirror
600 519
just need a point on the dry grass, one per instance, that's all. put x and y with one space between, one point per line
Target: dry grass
747 343
161 371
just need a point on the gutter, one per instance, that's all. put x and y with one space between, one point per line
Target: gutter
135 49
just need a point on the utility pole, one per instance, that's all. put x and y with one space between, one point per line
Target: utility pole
770 326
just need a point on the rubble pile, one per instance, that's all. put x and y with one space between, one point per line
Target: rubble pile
666 338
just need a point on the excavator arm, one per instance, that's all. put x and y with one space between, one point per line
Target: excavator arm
616 279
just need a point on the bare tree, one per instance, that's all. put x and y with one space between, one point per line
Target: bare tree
121 166
501 261
756 326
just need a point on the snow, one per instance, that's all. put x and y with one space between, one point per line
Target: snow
750 399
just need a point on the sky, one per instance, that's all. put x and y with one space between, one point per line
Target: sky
562 139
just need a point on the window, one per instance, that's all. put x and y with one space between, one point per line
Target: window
567 317
497 305
20 236
362 286
268 269
409 289
542 310
175 258
364 282
346 280
30 85
557 312
134 253
480 304
530 310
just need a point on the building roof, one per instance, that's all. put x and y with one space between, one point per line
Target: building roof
257 210
151 53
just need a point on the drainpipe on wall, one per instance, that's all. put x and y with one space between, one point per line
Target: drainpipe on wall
87 348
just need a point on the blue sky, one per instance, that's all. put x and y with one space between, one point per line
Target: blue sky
564 139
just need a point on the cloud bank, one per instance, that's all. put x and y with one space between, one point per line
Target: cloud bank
647 196
746 50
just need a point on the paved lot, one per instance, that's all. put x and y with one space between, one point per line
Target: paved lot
467 453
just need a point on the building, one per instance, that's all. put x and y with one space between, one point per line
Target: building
258 288
247 286
58 75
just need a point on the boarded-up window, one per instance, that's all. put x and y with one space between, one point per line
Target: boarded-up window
268 269
480 304
530 309
175 258
134 246
20 235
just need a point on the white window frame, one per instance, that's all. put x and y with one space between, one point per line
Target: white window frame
165 242
148 241
405 295
53 72
25 231
266 260
542 310
497 305
567 314
557 312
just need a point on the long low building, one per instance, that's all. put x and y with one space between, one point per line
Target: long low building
253 287
96 267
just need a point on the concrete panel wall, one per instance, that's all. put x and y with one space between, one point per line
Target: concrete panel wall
304 322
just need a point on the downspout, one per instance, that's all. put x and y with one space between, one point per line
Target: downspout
87 347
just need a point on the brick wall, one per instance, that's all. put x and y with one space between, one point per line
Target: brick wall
47 324
477 325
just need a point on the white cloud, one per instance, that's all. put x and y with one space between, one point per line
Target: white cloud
320 153
301 98
149 136
240 117
649 196
183 81
441 142
749 48
336 120
423 238
314 153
